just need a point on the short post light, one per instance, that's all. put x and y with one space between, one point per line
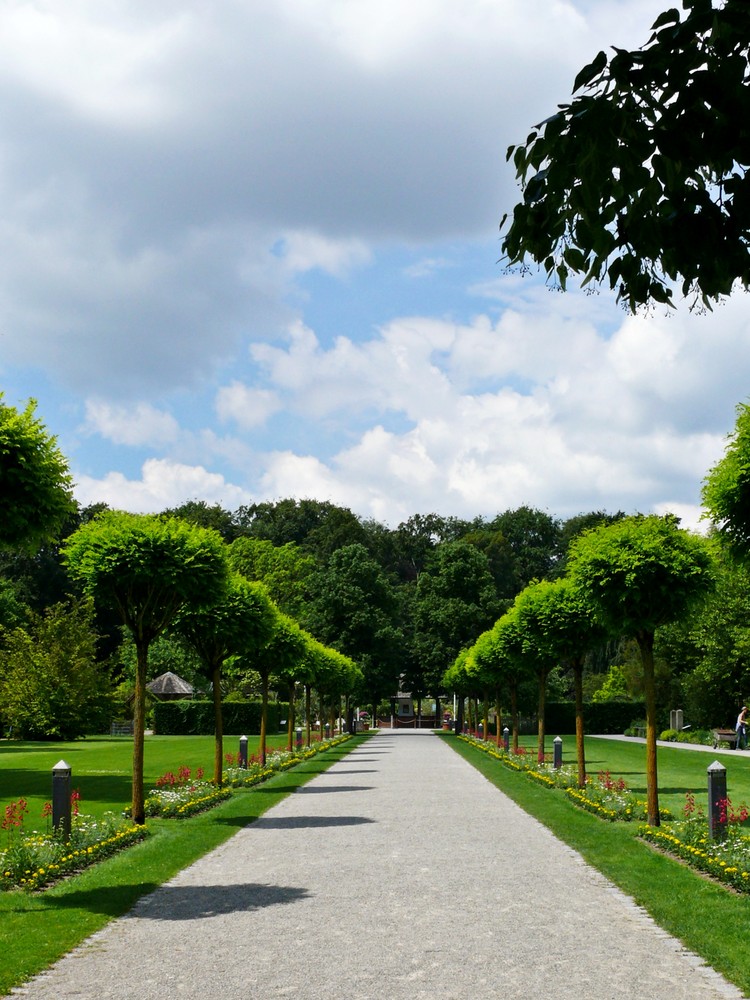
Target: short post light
61 774
557 744
717 801
299 738
506 739
243 751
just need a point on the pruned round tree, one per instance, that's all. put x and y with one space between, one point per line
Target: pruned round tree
238 624
561 626
637 574
641 180
35 484
147 569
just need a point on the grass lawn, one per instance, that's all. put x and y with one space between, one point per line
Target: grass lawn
37 929
710 920
102 767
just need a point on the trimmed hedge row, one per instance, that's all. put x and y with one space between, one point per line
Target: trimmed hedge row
611 717
196 718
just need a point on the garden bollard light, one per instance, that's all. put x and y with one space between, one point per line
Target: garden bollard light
328 730
299 737
506 739
243 751
717 801
557 751
61 773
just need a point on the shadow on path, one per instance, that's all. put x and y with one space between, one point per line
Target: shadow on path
188 902
307 790
299 822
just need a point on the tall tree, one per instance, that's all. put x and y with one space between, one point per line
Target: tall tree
726 489
318 526
284 570
281 652
207 515
51 686
533 537
353 608
454 602
637 574
565 630
35 484
148 569
240 623
641 180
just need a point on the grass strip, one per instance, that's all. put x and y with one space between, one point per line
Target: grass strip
707 918
38 929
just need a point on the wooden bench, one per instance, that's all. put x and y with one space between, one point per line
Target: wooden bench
725 736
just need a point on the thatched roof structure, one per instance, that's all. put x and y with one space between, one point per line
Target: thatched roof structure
169 685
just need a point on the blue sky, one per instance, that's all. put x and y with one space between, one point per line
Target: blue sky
250 251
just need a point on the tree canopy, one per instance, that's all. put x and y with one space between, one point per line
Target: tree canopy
726 489
148 569
637 574
641 180
35 485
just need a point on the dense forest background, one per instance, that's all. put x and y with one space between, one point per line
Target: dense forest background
400 601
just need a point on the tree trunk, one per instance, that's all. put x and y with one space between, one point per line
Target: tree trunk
308 708
498 717
485 713
137 804
646 645
218 725
580 751
540 715
514 713
458 723
292 719
263 716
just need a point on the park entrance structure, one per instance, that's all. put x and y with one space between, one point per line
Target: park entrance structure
404 715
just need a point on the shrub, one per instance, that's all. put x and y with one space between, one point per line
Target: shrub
669 735
196 717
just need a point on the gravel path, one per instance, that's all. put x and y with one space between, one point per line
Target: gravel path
399 873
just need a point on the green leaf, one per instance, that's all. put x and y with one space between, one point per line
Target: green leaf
588 73
671 16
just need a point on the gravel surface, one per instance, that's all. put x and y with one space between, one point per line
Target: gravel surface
399 873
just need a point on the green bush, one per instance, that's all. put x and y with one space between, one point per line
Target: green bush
669 735
196 718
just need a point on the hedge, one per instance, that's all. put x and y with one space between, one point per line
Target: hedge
196 718
598 718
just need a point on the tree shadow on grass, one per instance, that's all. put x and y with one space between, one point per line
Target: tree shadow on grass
181 902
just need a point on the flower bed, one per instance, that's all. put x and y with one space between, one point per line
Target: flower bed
606 797
611 799
726 859
279 760
33 860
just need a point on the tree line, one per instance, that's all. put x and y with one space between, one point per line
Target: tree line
314 580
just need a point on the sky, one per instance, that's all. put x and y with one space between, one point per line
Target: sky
250 251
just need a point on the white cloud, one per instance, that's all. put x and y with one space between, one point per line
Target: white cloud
196 200
245 406
162 484
142 424
307 251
